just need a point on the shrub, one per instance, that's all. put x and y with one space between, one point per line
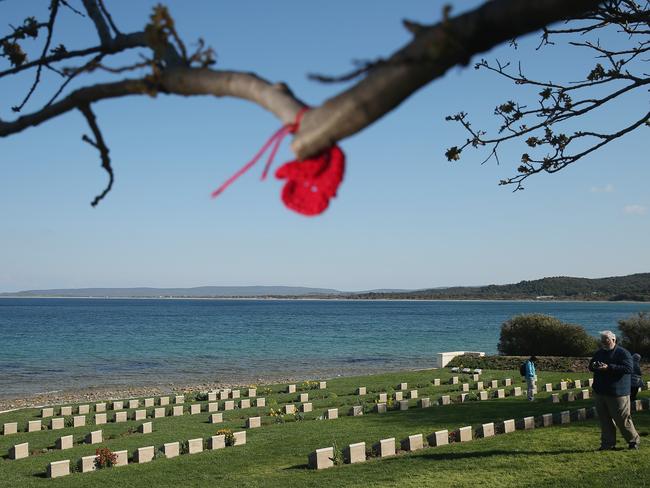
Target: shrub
229 436
635 333
105 458
544 335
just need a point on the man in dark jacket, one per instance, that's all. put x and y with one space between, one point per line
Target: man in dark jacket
612 367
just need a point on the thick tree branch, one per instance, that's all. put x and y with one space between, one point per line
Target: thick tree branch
95 14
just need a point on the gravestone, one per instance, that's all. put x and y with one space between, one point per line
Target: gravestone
291 388
500 393
100 407
47 412
179 399
177 410
307 407
304 397
398 396
547 420
483 395
356 411
216 418
260 402
563 385
143 455
100 419
445 400
563 417
66 411
195 409
526 423
94 437
494 384
403 386
321 458
385 447
159 412
590 383
548 387
223 395
252 392
163 401
79 421
439 438
134 404
148 402
245 403
253 422
637 405
380 408
171 449
87 464
355 453
64 442
454 380
463 397
487 430
404 405
569 397
413 394
464 434
413 443
475 377
217 442
425 402
516 391
117 405
479 385
465 387
139 415
240 438
332 413
146 428
19 451
212 396
194 446
322 385
361 390
507 382
584 395
383 397
235 394
555 398
290 408
121 458
580 414
508 426
213 407
577 384
12 428
436 382
229 405
36 425
56 469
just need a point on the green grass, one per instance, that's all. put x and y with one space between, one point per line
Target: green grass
276 454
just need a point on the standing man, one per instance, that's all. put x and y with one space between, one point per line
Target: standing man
531 377
636 380
612 367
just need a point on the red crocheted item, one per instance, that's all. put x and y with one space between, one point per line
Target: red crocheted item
311 183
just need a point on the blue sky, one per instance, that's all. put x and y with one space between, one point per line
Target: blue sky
404 216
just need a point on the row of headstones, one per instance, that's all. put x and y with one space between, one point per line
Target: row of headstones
322 385
57 423
213 396
21 451
356 453
146 454
570 396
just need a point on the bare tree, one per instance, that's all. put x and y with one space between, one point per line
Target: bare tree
382 84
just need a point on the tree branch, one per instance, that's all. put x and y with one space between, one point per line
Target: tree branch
95 14
100 145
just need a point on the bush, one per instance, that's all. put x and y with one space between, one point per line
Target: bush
635 333
544 335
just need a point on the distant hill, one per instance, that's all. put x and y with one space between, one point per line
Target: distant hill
635 287
197 292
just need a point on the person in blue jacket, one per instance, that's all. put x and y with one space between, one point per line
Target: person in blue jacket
531 378
612 368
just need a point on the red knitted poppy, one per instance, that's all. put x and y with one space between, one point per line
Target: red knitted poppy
311 182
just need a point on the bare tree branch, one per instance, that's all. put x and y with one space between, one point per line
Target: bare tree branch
95 14
100 145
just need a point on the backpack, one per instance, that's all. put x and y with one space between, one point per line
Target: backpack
522 369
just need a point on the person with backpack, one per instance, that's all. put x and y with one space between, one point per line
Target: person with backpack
635 379
528 371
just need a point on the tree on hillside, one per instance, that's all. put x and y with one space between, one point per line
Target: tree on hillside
169 67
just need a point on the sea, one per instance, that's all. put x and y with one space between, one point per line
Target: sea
54 344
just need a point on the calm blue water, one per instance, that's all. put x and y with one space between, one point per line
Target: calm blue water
51 344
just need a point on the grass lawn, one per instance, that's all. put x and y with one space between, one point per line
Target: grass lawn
276 454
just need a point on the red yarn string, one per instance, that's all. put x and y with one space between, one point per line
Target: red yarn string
275 140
